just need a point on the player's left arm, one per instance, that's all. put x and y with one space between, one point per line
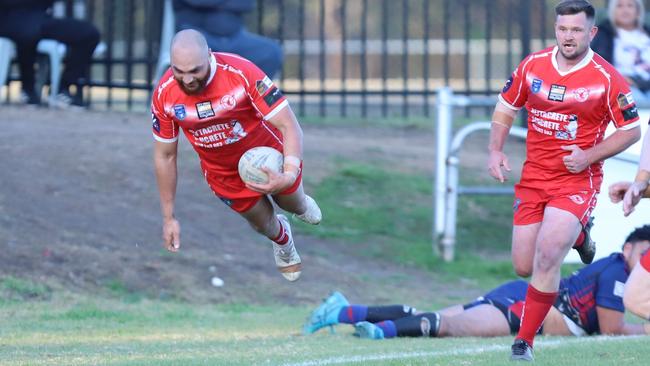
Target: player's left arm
612 322
578 159
285 121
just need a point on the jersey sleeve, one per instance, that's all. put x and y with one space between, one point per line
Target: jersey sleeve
264 94
515 92
611 285
163 127
622 108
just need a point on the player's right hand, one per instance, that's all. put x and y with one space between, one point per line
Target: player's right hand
497 160
617 191
171 233
633 196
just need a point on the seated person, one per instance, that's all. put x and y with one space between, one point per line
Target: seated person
624 41
26 22
590 302
222 24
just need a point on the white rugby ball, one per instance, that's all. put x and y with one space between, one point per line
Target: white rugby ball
256 158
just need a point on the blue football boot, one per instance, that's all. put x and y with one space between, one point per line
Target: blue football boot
327 314
368 330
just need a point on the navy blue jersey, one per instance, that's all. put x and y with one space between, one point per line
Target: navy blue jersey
598 284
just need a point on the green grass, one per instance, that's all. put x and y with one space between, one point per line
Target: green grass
376 210
76 330
18 289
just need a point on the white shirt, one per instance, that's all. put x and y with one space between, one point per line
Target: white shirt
632 53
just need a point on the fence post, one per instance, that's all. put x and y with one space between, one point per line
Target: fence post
444 120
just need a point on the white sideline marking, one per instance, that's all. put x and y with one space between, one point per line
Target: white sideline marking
460 352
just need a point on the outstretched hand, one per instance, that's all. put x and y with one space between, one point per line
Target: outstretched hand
633 196
171 235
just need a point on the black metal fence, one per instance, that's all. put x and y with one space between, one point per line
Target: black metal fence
367 58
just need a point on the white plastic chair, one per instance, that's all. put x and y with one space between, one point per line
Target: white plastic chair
166 35
7 53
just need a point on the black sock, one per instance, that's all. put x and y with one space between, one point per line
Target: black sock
389 312
421 325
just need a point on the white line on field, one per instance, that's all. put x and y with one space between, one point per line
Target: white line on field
458 352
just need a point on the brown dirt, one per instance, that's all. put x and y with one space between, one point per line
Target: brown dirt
79 210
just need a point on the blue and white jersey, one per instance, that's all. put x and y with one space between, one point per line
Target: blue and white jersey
599 284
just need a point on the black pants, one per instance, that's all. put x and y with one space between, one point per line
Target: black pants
26 29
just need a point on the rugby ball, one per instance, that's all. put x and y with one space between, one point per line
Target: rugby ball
253 160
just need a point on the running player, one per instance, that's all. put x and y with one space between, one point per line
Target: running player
225 105
590 302
571 94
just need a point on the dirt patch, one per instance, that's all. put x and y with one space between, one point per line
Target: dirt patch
79 209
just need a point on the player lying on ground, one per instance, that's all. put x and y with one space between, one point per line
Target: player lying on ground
225 105
590 302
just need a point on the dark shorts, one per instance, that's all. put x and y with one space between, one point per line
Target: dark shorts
509 299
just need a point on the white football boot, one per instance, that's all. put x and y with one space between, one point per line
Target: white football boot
313 214
286 256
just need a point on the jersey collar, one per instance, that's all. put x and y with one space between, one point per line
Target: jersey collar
213 68
584 62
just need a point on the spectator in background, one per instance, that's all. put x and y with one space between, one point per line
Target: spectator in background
26 22
624 41
222 24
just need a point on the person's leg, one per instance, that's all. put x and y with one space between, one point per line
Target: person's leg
523 247
25 39
479 321
557 234
81 38
262 219
295 200
528 212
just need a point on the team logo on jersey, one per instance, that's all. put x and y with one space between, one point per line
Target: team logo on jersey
236 133
624 100
507 86
273 96
263 85
570 130
557 93
179 111
204 110
536 86
628 107
577 199
619 289
228 102
581 94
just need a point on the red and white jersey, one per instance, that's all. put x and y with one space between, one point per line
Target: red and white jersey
567 108
227 118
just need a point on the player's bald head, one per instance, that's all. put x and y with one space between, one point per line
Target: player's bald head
190 59
188 48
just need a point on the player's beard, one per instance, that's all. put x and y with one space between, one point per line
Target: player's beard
578 52
197 85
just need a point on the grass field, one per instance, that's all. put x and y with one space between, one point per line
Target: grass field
73 330
42 324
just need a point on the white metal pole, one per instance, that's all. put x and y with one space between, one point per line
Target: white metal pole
444 109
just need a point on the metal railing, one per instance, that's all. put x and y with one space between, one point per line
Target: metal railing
447 187
367 58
